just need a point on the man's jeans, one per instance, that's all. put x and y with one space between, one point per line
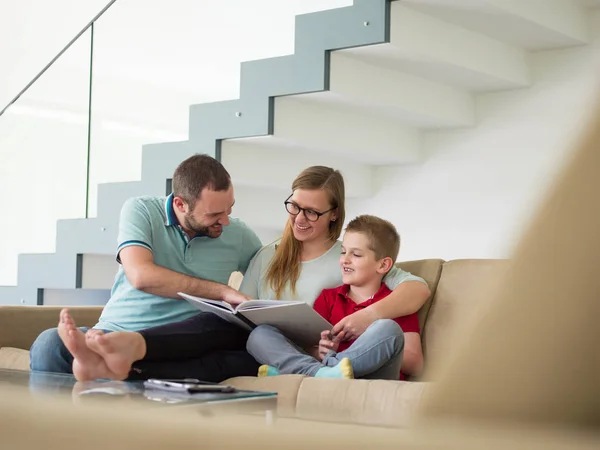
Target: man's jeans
49 354
376 354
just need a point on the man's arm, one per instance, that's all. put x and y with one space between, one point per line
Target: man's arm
405 299
146 276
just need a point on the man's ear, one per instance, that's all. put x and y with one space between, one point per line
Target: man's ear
180 205
385 264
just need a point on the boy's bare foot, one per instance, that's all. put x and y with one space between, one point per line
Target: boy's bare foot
119 349
87 365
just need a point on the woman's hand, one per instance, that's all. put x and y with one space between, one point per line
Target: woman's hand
355 324
326 344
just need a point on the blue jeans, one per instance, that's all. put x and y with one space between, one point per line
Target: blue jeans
376 354
49 354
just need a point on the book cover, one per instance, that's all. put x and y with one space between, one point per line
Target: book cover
297 320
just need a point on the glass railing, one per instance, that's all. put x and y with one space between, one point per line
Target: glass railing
126 79
43 158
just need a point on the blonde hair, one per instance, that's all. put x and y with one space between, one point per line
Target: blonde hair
285 265
383 237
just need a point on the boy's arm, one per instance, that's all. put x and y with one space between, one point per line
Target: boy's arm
405 299
412 360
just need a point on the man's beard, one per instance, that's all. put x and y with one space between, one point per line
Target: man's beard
200 229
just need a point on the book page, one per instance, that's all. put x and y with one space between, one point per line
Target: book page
216 307
261 304
215 303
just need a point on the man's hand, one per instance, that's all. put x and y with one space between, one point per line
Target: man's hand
326 344
355 324
234 297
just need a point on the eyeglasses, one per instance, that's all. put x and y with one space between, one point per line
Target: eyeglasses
311 215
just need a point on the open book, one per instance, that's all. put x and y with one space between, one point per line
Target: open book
298 321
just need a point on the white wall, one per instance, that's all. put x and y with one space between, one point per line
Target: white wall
476 188
32 32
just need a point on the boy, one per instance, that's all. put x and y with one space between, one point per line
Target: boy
369 249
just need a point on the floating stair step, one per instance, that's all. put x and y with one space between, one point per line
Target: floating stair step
347 134
443 52
407 99
269 162
530 24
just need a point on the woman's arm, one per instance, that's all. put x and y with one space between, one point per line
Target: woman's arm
407 298
412 360
251 278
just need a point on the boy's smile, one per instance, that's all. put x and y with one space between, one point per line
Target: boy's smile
357 261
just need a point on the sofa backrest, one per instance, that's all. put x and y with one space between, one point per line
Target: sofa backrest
21 325
459 299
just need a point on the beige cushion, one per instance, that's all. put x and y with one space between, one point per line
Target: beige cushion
235 280
430 270
463 286
14 358
286 386
365 402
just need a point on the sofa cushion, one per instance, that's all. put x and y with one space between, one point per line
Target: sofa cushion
365 402
459 300
286 387
14 358
430 270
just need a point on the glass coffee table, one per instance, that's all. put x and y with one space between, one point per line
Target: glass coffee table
56 384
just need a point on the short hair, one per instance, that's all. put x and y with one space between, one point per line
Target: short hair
196 173
383 237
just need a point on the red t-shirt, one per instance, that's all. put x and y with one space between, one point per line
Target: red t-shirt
334 304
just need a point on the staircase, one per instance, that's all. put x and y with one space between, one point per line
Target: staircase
365 86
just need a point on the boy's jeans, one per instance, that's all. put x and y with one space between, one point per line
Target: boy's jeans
376 354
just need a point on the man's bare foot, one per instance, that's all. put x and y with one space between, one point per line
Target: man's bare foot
92 333
119 349
87 365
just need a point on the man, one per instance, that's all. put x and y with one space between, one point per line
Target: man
185 242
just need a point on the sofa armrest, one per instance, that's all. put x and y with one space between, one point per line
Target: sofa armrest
21 325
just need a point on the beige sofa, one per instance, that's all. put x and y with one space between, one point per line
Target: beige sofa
454 286
522 373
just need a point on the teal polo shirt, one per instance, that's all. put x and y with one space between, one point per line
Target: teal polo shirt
151 222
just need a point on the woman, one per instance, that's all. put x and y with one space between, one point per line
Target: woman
298 266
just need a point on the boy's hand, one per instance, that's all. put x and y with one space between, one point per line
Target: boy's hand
314 352
326 344
355 324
